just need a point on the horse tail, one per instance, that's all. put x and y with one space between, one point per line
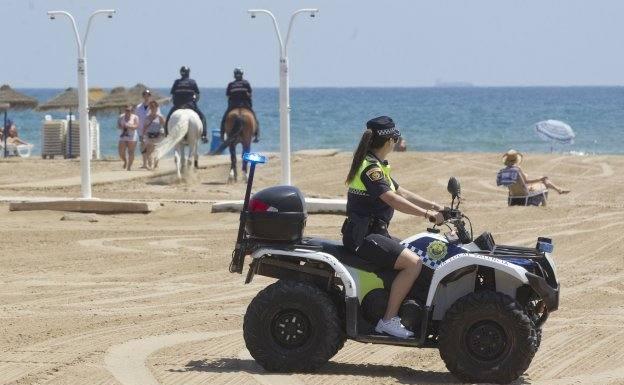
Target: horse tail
237 125
179 125
252 122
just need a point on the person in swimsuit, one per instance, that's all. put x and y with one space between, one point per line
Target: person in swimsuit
512 159
153 131
128 123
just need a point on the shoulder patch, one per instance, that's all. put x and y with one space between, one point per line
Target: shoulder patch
374 174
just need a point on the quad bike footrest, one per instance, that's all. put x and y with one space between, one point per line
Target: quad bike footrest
387 340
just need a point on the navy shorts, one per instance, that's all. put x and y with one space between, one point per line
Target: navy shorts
381 250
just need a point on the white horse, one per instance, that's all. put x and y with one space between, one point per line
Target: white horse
185 128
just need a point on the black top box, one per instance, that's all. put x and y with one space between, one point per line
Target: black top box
277 214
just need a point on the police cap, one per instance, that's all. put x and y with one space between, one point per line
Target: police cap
383 126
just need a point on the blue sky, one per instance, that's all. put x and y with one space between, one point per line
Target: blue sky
350 43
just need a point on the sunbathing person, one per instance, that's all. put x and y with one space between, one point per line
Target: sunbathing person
13 139
524 184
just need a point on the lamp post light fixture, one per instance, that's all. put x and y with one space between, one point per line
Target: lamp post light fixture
83 101
284 94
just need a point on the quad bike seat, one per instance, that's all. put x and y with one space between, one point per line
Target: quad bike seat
341 253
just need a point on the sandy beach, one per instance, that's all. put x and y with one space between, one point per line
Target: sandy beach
147 299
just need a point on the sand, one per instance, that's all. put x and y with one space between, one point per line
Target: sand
147 299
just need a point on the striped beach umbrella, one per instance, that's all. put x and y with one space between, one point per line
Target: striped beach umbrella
555 131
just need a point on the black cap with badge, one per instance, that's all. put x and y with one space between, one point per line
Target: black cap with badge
383 126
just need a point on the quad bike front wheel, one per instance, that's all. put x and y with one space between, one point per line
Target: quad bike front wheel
487 337
292 327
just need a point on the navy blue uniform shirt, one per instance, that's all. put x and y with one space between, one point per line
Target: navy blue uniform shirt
239 93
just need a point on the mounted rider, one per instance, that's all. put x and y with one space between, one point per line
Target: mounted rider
238 93
185 94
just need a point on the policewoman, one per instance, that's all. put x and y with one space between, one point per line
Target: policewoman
372 198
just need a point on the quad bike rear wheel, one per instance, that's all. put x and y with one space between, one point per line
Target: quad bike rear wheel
292 327
487 337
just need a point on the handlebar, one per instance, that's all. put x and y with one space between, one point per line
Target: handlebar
448 214
455 217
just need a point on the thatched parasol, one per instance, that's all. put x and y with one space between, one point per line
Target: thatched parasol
68 99
119 97
136 93
95 94
113 102
16 99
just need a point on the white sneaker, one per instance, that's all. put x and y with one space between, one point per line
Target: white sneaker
394 327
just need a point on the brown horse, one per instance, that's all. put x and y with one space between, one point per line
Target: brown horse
240 127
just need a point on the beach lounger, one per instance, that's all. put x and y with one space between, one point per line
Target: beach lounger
21 150
94 126
518 192
53 137
73 139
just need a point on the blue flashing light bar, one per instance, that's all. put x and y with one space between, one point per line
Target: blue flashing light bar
254 157
545 247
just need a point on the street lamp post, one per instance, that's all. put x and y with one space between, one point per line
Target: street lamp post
284 95
83 101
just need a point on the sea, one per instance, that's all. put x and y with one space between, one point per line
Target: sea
455 119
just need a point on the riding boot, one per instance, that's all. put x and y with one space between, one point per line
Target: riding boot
204 134
257 134
204 129
222 126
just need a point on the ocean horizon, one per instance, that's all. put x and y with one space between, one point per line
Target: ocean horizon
453 119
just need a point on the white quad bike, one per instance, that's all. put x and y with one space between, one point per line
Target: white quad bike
482 305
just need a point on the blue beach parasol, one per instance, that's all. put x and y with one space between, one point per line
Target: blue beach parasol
555 131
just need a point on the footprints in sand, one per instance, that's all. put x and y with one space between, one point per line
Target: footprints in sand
221 358
163 243
127 361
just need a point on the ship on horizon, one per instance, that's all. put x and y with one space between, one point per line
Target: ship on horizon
452 84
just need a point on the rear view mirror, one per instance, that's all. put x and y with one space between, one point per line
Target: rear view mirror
453 187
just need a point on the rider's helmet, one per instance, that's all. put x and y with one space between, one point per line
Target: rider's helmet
238 73
185 71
